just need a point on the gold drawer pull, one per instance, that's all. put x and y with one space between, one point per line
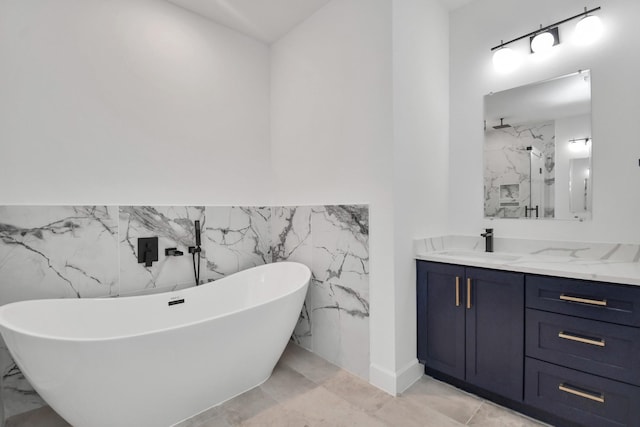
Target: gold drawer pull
468 292
457 291
590 396
601 303
599 342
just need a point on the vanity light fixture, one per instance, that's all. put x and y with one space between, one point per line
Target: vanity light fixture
506 59
543 39
588 30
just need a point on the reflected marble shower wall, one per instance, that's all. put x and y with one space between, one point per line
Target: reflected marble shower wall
508 174
334 242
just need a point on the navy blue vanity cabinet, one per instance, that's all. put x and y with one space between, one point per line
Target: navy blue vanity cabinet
441 317
471 325
495 331
583 350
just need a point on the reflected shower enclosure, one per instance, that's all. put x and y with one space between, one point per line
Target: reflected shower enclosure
519 171
537 150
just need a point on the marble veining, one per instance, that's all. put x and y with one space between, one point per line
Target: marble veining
608 262
519 170
334 241
291 234
341 255
91 251
291 240
175 227
57 251
17 394
236 238
52 252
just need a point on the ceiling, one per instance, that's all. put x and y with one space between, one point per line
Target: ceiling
557 98
266 20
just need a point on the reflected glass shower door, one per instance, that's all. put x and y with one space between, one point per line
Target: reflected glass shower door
579 202
536 182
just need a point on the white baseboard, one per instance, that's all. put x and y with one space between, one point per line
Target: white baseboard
395 383
408 375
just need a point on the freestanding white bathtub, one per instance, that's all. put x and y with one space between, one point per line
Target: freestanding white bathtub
156 360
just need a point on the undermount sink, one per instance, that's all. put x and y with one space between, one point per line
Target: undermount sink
482 256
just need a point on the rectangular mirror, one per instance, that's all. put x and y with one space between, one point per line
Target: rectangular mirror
537 150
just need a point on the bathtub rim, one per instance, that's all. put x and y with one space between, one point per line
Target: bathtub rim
23 331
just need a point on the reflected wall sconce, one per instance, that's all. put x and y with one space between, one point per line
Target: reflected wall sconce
542 40
585 140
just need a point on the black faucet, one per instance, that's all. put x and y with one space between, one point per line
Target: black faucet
172 252
488 239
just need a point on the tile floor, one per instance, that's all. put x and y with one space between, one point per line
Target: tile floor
307 391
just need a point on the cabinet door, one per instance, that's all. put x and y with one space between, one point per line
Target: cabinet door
441 335
495 331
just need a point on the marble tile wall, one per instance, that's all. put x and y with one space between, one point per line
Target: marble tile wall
91 251
52 252
236 238
334 241
174 227
58 251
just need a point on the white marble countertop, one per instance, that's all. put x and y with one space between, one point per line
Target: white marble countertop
615 263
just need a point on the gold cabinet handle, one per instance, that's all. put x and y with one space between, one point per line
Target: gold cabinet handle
598 342
457 291
598 302
468 292
597 397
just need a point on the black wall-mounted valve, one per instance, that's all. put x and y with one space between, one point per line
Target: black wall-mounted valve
147 250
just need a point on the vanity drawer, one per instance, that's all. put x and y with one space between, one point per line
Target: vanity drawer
582 398
594 300
596 347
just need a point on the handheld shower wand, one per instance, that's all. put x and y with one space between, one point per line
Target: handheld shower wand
193 250
197 224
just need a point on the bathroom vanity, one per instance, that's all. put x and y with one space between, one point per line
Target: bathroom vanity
534 332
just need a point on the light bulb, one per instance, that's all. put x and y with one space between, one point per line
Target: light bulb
588 30
506 60
543 42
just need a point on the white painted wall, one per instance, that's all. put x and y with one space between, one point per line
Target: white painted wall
480 25
359 113
421 155
130 102
119 102
332 131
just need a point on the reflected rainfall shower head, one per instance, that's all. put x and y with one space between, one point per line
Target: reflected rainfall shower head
502 125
